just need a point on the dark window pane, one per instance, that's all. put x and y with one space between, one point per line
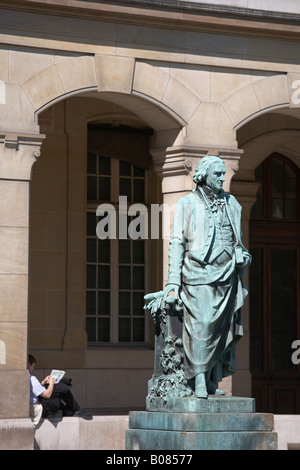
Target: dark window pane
91 328
90 276
138 171
124 303
92 188
91 224
103 329
290 189
103 277
138 277
138 252
284 307
257 211
289 172
277 168
104 165
138 190
125 188
125 251
138 329
124 277
92 164
91 303
104 188
91 250
125 168
277 208
277 188
124 329
138 303
103 303
290 209
104 251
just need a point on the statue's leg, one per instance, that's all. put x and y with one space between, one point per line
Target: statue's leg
212 386
200 386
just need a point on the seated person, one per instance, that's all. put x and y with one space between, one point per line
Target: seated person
47 398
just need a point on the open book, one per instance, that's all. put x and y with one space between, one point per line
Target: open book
57 375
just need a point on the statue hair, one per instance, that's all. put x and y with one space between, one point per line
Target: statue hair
201 171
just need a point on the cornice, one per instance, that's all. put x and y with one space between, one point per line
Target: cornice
169 14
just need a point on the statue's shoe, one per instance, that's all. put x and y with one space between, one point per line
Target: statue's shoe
219 391
201 392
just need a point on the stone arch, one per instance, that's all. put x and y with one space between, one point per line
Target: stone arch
285 142
277 131
257 98
70 76
109 75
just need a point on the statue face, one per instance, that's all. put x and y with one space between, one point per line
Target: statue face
216 177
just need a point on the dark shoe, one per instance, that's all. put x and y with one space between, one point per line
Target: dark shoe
83 414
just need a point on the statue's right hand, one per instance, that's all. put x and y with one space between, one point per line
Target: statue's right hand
171 288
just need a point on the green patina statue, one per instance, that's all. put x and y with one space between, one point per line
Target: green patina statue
207 260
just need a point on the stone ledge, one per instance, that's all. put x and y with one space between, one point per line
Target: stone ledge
72 433
104 432
288 430
16 434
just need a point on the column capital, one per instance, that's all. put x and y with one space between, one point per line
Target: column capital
18 152
182 160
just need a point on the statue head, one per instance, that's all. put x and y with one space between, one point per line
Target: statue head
211 172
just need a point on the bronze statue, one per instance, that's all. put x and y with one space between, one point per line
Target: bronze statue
206 266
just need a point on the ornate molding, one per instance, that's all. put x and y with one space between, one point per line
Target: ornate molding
182 160
18 152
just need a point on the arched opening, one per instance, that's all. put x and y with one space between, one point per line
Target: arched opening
268 187
275 281
85 308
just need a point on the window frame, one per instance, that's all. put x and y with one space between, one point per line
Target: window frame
114 315
267 196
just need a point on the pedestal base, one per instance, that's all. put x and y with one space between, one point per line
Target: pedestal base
227 423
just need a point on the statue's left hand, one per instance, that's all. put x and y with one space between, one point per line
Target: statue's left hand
247 259
171 288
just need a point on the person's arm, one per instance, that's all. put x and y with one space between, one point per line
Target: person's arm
48 392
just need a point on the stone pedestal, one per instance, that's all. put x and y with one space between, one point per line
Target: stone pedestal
218 423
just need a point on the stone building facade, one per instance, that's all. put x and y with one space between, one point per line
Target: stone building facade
106 99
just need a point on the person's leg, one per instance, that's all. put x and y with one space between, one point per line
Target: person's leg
36 411
70 402
50 406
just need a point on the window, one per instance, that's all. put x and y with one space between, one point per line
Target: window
274 287
277 196
116 278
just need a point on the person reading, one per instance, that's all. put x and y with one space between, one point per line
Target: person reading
48 397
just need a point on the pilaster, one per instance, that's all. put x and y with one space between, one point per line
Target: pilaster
245 190
18 152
